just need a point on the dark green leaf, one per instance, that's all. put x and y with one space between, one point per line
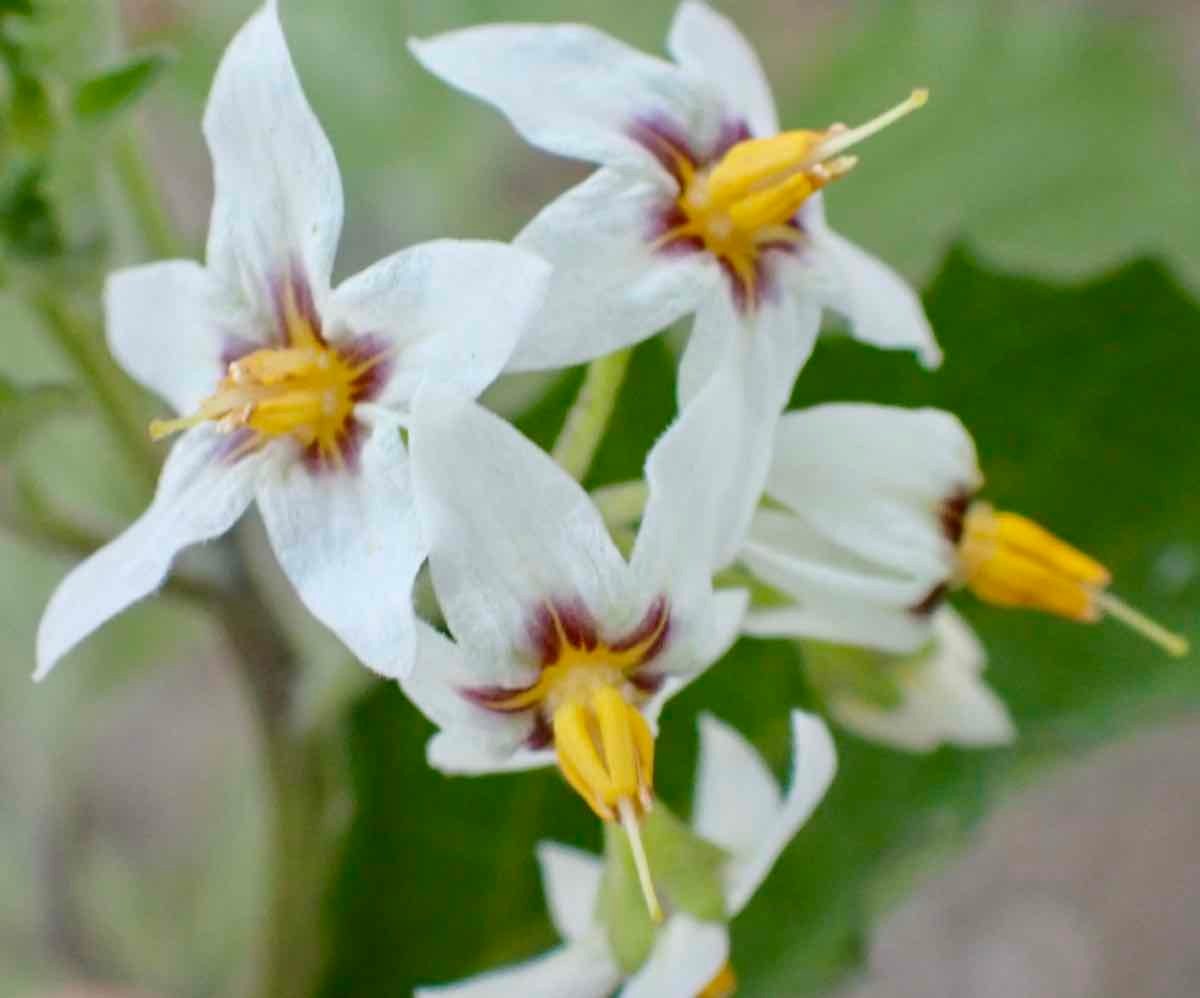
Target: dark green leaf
118 88
1084 410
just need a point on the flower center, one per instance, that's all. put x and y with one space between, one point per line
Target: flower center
746 202
1009 560
724 985
589 695
305 390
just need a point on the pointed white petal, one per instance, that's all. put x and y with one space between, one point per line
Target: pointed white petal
813 765
609 288
452 309
583 969
200 495
571 883
709 46
706 474
168 324
473 739
736 795
845 622
945 698
571 89
351 544
509 532
872 478
877 302
455 753
686 957
277 199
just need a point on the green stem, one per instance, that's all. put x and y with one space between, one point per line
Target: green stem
623 503
145 201
588 419
119 401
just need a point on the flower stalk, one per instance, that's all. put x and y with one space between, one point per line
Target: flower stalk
588 419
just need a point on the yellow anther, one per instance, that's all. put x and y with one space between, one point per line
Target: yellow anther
745 203
606 753
605 750
724 985
1009 560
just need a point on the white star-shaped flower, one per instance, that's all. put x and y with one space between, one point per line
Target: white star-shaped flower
740 809
874 520
563 648
288 390
699 197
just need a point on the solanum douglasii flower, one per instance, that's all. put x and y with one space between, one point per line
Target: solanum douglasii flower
289 390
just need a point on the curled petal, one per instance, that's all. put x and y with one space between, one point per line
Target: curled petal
200 495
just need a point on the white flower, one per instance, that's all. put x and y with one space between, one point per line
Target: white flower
874 519
941 695
561 646
289 390
698 192
739 807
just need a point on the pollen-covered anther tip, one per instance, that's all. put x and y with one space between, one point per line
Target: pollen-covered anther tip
1009 560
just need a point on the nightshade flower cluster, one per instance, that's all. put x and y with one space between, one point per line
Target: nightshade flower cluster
349 414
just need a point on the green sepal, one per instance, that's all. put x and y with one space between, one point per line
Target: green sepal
686 868
621 909
865 674
115 89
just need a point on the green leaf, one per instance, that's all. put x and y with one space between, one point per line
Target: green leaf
29 226
116 89
1081 402
24 408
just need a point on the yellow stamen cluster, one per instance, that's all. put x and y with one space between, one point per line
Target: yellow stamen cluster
1009 560
724 985
746 202
305 390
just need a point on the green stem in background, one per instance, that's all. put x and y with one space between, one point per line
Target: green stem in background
144 199
119 400
593 407
622 503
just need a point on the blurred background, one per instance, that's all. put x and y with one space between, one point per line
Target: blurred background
1061 140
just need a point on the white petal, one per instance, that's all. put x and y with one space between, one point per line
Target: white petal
877 302
200 495
736 795
709 46
571 89
583 969
168 325
451 753
945 698
454 310
686 957
872 478
839 595
704 634
609 288
707 473
277 201
509 532
473 739
571 883
351 544
813 765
